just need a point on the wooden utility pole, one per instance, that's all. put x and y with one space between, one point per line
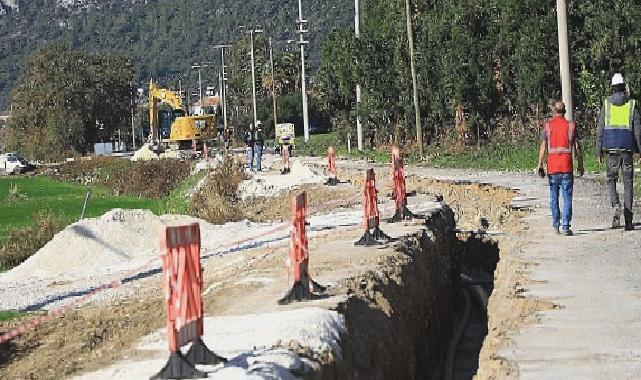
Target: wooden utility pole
564 57
417 108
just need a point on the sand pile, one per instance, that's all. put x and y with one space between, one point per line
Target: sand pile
144 154
269 184
118 241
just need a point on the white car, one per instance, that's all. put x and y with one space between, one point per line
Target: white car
12 164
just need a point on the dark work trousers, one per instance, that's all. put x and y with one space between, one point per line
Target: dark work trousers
623 161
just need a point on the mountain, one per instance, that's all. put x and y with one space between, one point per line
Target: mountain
162 38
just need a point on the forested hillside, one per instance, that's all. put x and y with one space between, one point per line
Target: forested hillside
161 38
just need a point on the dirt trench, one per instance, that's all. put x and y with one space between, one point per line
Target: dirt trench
399 316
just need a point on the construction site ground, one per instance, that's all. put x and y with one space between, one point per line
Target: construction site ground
562 307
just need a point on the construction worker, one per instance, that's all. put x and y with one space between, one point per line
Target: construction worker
618 138
249 142
259 142
558 138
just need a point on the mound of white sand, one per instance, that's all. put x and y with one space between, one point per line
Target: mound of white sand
119 240
269 184
144 154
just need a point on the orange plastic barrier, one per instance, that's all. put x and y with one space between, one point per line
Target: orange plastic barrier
400 194
304 288
331 168
285 153
183 284
371 220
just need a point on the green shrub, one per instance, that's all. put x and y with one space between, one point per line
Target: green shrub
21 243
152 179
217 201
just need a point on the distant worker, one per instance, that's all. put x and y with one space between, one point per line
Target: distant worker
259 142
619 137
559 137
249 142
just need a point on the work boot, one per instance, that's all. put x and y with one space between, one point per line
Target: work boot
616 217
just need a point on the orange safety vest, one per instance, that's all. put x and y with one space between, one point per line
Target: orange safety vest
560 135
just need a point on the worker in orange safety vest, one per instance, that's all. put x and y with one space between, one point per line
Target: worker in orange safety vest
559 138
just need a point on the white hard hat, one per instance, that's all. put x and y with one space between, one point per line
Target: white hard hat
617 79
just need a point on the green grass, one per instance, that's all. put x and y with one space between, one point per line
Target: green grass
177 202
38 193
7 315
506 156
494 156
318 144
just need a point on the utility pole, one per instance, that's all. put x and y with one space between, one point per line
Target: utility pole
564 57
301 41
224 75
271 61
200 84
357 30
417 108
253 64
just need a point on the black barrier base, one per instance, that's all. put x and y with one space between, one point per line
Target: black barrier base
373 238
300 292
404 214
178 367
199 354
332 182
285 171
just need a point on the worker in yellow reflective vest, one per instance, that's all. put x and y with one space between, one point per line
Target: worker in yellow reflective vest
618 138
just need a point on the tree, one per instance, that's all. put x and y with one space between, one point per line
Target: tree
67 100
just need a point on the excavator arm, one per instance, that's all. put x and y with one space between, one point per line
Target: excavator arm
162 95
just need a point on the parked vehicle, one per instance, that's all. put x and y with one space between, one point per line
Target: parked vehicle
11 163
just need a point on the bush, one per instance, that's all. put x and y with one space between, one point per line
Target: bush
217 201
152 179
21 243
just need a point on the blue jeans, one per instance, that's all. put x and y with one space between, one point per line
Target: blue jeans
565 183
250 158
258 152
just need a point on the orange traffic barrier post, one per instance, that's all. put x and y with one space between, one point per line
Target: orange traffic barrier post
399 194
284 151
331 168
183 284
371 222
303 288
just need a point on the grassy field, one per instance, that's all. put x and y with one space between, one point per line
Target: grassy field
22 197
496 156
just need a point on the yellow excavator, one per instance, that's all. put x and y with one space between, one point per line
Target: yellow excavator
174 128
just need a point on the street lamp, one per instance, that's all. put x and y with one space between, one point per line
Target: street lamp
200 82
223 90
251 33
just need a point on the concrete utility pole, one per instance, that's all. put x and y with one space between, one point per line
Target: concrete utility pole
200 84
271 61
251 37
417 108
564 57
357 30
223 93
302 23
